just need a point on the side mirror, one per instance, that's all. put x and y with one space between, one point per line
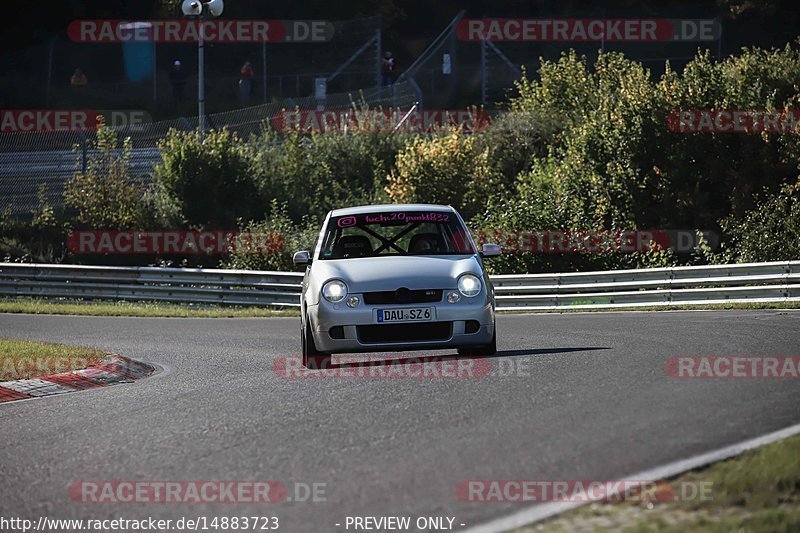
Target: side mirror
491 250
302 258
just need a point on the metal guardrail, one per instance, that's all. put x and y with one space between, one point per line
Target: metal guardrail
752 282
712 284
176 285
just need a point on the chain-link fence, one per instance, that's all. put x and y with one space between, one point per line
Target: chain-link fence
462 68
30 162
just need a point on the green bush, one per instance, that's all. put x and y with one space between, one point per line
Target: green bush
537 208
208 177
40 240
706 177
611 162
768 232
444 169
600 163
315 173
105 196
279 238
514 140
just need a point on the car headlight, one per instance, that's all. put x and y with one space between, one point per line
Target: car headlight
469 285
334 290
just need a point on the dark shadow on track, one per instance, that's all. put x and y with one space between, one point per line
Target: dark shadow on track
546 351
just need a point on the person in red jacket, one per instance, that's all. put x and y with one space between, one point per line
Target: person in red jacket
245 83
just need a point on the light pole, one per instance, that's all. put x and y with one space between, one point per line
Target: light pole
197 9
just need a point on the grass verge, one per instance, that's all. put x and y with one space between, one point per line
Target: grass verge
758 491
139 309
49 307
20 359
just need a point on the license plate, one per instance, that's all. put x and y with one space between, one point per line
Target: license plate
417 314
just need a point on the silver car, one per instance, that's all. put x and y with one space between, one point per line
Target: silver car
395 277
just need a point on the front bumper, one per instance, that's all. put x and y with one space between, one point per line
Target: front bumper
326 315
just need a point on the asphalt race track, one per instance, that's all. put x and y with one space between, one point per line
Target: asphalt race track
569 397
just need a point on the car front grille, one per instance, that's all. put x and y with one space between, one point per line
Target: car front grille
403 296
416 332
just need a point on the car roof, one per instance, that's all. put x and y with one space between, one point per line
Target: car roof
385 208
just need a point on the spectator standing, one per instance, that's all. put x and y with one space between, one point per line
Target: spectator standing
245 83
79 81
177 76
389 67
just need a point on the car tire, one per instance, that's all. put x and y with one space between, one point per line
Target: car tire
312 358
480 351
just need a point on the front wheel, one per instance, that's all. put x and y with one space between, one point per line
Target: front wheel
481 351
312 358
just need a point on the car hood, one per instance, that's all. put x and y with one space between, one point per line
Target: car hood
368 274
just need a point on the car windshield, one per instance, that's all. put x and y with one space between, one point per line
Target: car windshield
395 233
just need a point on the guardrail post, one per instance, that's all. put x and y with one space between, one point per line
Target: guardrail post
669 283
